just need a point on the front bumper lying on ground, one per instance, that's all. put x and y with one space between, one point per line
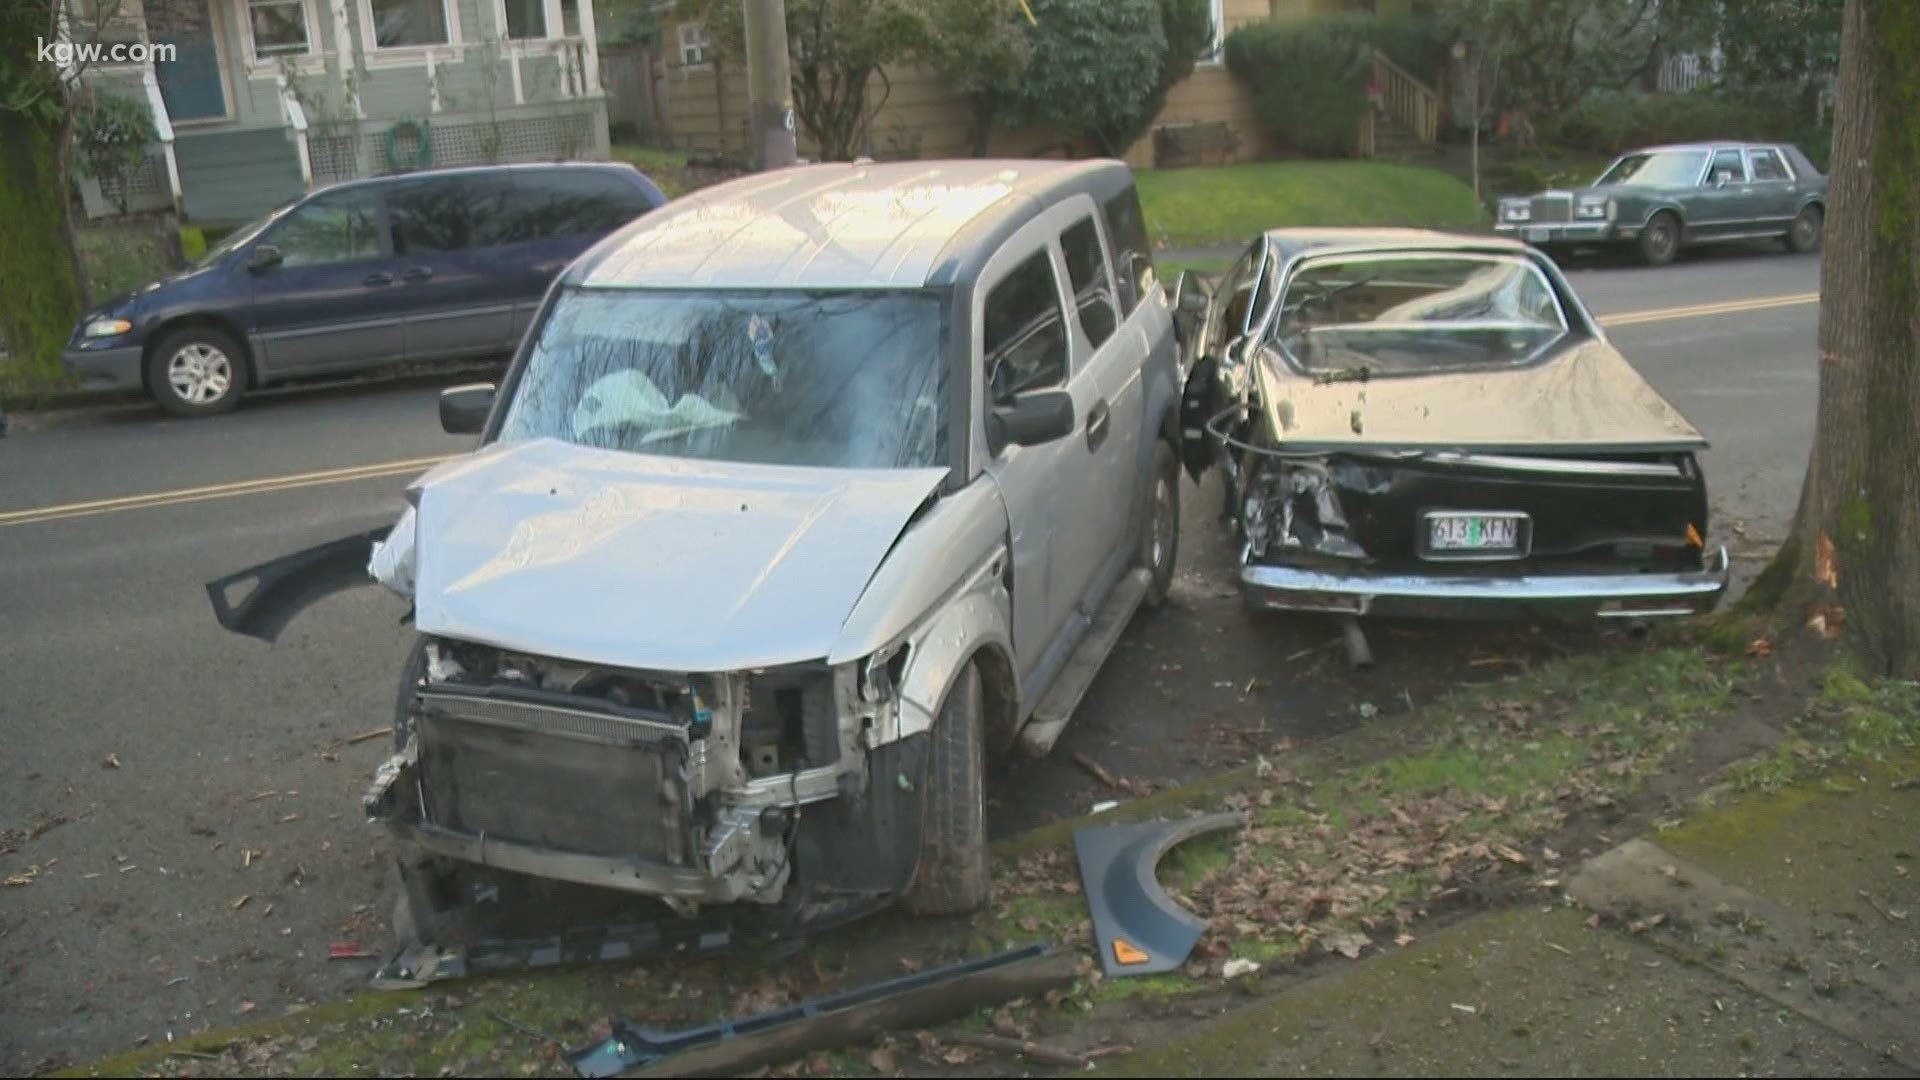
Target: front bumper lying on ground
1440 595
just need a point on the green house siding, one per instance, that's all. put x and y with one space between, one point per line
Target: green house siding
235 167
231 177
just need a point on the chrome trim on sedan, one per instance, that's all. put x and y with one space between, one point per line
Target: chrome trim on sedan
1440 594
1556 466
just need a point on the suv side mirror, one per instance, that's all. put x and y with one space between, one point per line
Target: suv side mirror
464 409
263 256
1036 417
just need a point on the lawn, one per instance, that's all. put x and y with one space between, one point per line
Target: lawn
1230 204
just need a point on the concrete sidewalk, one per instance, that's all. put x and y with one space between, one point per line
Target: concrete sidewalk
1775 936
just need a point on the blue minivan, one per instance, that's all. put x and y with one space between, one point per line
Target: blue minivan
425 265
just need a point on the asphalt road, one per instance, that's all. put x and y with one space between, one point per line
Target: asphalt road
179 823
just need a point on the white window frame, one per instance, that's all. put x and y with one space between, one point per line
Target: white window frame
546 18
410 55
309 59
1216 54
704 43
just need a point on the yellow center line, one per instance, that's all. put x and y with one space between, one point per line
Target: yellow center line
220 491
1695 311
396 468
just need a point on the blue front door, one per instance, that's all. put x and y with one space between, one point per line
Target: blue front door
190 79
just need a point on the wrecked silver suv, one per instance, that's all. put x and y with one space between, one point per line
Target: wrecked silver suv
802 493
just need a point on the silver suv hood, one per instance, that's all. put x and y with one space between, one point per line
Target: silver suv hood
656 563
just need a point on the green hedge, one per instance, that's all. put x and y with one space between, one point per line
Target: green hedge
1611 122
1309 78
1415 42
1309 75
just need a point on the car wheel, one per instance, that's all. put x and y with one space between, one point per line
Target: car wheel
1660 240
951 878
196 371
1160 532
1804 237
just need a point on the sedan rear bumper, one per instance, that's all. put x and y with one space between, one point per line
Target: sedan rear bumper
1439 595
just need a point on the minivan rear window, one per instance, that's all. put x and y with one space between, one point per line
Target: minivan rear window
573 202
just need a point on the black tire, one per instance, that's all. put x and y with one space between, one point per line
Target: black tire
1803 237
196 371
1160 523
952 878
1660 240
414 670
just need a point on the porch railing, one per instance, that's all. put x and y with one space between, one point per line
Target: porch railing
1411 103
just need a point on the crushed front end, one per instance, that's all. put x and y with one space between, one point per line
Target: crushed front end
688 788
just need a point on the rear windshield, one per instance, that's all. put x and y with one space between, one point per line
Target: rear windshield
1665 168
1411 313
848 379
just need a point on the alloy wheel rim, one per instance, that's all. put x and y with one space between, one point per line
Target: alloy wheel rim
199 373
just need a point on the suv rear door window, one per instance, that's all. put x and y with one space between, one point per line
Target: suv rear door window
1024 331
1087 270
1133 254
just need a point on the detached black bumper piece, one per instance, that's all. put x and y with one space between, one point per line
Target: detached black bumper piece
289 585
735 1047
1140 929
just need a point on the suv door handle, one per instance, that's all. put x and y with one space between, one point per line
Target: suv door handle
1097 425
377 279
417 273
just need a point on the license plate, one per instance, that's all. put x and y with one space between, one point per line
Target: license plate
1474 533
1534 235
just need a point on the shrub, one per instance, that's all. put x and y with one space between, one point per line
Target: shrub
111 134
1612 122
1309 78
1092 69
1415 42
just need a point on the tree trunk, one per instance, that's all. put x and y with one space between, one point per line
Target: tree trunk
40 294
1852 560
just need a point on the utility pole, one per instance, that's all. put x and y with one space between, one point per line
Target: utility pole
769 85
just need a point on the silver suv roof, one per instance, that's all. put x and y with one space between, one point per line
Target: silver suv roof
836 226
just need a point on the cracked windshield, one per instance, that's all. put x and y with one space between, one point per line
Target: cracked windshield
851 380
1399 315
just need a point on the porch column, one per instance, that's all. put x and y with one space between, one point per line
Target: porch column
344 53
163 130
589 51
